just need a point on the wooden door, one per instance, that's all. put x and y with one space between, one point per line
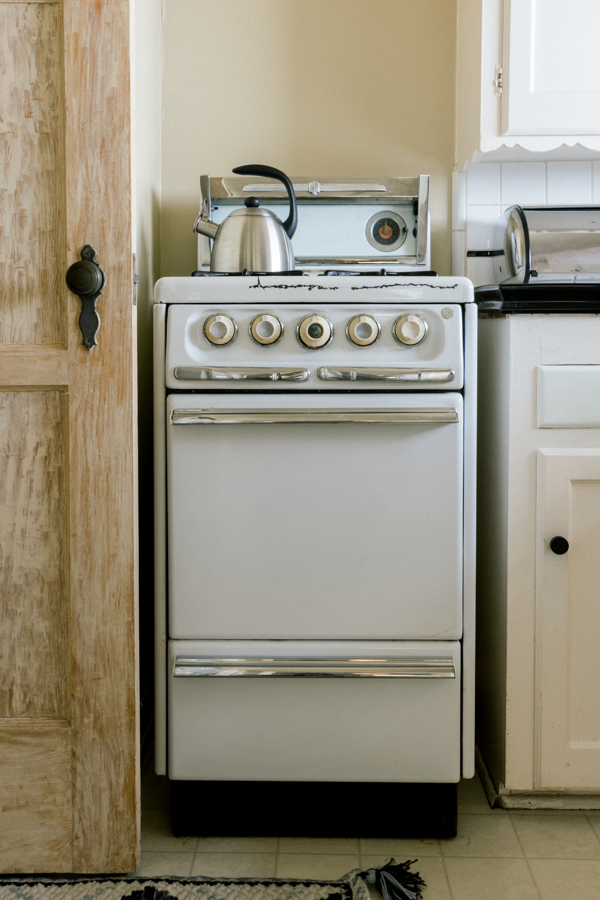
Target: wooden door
568 621
69 767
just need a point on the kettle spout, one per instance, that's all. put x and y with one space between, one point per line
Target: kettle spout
203 226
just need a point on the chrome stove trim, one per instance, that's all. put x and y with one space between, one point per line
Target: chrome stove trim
376 373
232 187
422 218
378 261
318 187
239 373
406 667
325 416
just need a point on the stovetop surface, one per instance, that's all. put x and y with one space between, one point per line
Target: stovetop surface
306 287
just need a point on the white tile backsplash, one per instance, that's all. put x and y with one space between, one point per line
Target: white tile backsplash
523 183
481 227
483 184
569 182
458 253
459 201
481 270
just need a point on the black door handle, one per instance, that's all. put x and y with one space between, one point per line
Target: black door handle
86 279
559 545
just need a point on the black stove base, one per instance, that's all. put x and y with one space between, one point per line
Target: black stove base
313 809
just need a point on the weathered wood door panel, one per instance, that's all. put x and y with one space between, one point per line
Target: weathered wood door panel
69 759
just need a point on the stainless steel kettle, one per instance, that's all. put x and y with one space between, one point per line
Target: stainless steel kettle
253 239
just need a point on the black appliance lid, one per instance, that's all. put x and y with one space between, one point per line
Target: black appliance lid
548 297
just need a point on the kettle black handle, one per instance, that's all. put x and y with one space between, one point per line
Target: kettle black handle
291 222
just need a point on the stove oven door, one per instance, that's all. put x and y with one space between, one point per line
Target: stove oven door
314 711
312 516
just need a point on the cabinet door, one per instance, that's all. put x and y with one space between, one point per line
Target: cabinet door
552 73
568 621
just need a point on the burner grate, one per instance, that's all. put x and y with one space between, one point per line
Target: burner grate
363 273
199 274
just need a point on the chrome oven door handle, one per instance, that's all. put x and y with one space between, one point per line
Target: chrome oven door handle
406 667
430 416
376 373
239 373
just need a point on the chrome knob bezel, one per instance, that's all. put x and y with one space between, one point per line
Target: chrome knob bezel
410 317
230 333
306 341
262 341
351 330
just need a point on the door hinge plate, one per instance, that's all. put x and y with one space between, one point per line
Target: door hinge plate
136 280
499 80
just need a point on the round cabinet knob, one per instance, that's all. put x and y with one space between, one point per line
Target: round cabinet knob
410 329
266 329
220 329
85 278
363 330
559 545
314 332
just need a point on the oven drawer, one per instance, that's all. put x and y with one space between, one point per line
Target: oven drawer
314 711
315 516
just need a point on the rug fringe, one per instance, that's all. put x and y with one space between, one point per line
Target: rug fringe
395 881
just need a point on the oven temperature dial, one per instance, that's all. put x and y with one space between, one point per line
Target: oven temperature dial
410 329
266 329
314 332
363 330
220 329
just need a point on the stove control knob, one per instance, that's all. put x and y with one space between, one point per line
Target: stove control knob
410 329
314 332
266 329
220 329
363 330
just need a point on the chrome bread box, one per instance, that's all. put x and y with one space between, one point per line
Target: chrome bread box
552 243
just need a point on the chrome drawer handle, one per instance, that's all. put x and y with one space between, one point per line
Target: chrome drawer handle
406 667
431 376
327 416
250 373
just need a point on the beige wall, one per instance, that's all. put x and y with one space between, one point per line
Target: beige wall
329 87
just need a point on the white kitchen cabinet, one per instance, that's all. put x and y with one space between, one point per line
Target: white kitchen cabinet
538 632
568 613
528 79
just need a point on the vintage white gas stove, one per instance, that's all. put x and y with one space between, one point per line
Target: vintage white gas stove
315 530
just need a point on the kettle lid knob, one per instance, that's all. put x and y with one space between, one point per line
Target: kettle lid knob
251 201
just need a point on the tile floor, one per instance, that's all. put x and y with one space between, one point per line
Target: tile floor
497 855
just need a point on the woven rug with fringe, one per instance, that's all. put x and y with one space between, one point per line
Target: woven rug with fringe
394 882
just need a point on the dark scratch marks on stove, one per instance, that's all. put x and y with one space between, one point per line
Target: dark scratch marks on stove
287 287
378 287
